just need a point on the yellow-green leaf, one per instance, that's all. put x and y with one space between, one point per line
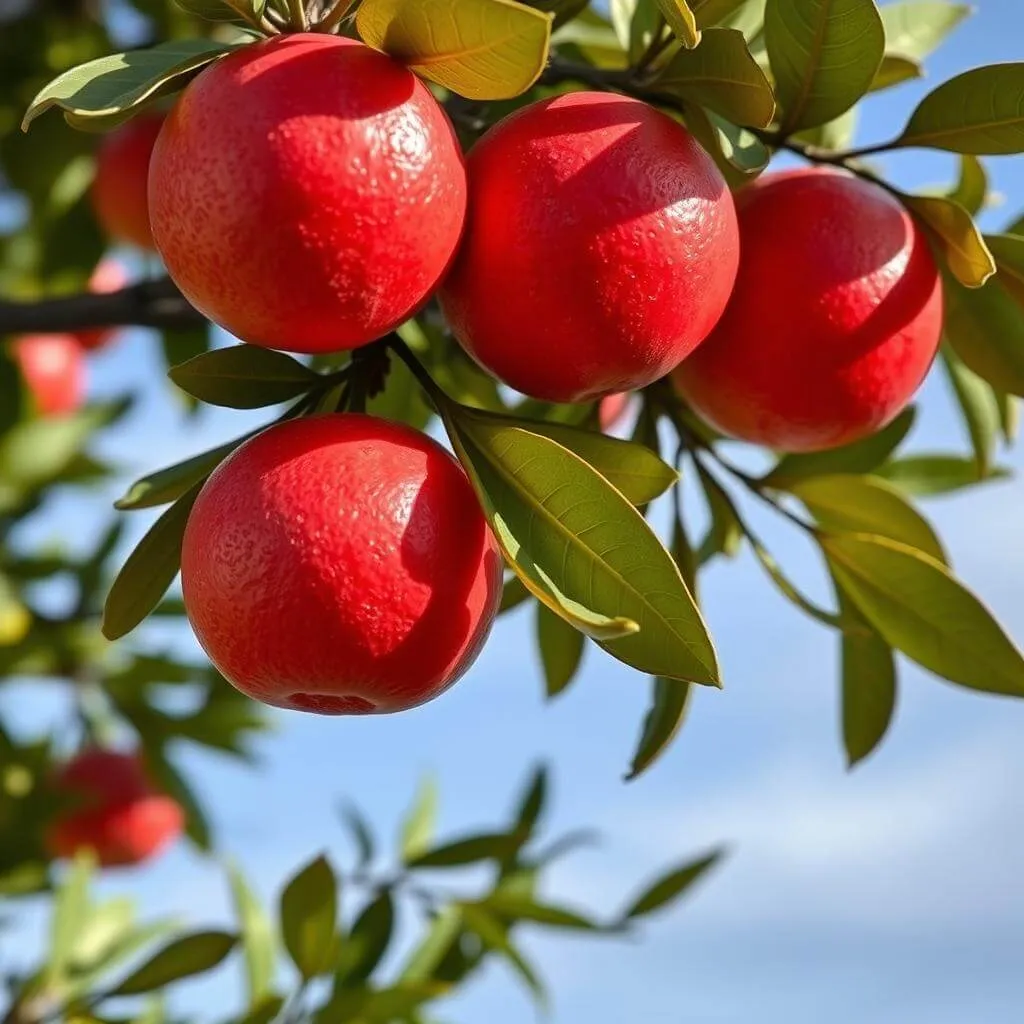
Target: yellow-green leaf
954 231
927 475
681 20
972 186
1008 252
980 111
914 28
920 608
895 69
824 55
480 49
721 75
578 544
739 154
107 91
864 504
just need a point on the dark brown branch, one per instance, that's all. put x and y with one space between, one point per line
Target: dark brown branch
147 304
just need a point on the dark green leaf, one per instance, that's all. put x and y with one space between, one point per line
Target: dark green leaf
166 485
368 941
721 75
670 704
980 408
824 54
671 886
149 570
364 1004
257 932
980 111
579 546
480 49
953 230
859 457
835 135
1008 252
561 650
515 908
108 91
486 846
266 1013
420 822
920 608
869 684
244 377
531 806
309 912
187 956
925 475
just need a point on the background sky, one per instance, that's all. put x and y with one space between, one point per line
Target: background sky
889 894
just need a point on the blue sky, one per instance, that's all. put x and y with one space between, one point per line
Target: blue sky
890 894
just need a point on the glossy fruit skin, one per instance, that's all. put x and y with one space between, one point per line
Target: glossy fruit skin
835 318
340 564
53 367
109 276
307 193
600 248
119 816
119 189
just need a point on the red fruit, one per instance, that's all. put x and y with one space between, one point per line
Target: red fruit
307 193
600 248
340 564
612 409
109 276
119 816
54 370
119 188
834 321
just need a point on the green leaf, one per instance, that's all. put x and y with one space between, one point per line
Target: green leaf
864 504
217 10
494 935
368 941
1009 415
954 231
149 570
671 886
633 469
681 20
1008 252
824 54
480 49
739 154
266 1013
714 12
859 457
986 330
670 704
920 608
725 533
167 485
531 806
108 91
927 475
893 70
518 908
432 949
835 135
309 912
513 594
869 684
485 846
972 189
979 406
561 650
182 958
578 545
105 927
244 377
420 822
257 932
980 111
364 1004
70 915
361 833
721 76
914 28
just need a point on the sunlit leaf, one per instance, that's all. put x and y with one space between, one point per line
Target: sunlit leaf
182 958
309 910
956 234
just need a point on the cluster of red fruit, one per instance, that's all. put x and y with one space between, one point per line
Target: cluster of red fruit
309 194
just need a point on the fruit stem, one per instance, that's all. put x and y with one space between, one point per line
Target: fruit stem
333 16
299 21
429 385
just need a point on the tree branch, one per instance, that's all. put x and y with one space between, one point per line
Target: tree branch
147 304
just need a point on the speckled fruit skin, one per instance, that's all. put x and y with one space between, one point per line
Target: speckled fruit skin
109 276
122 171
307 193
834 321
53 367
119 816
342 565
600 247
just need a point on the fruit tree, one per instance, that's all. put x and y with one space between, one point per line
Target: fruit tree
549 305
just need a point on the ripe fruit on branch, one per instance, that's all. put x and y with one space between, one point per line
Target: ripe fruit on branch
53 367
834 321
119 188
116 812
307 193
340 564
600 248
109 276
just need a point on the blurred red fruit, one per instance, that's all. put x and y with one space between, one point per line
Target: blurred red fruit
612 409
53 367
120 817
340 564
